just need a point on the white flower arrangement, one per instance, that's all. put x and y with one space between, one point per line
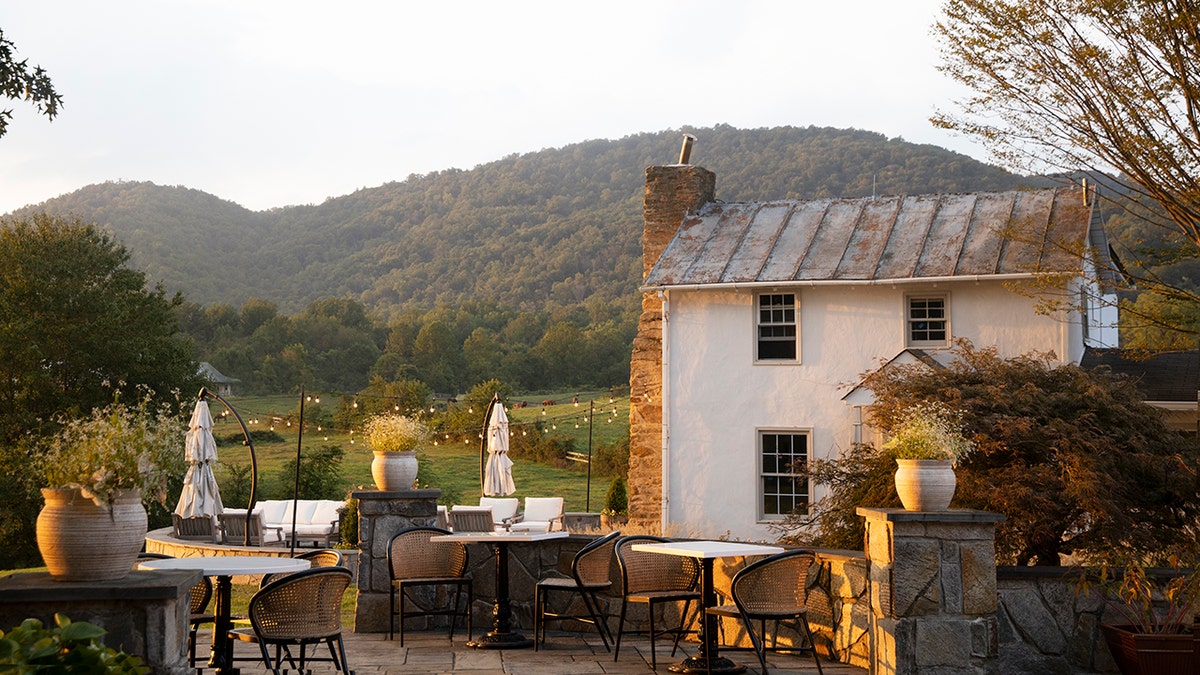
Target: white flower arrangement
114 448
928 430
389 432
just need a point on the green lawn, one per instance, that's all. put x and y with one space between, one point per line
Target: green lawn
456 466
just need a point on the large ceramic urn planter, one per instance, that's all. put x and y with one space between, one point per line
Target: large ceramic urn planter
81 541
394 471
925 484
1152 653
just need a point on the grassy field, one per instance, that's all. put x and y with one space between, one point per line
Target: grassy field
455 465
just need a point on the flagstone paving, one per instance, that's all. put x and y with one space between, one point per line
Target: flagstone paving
563 654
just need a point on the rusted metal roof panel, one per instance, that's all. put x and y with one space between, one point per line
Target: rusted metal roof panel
757 242
791 245
830 241
905 237
869 239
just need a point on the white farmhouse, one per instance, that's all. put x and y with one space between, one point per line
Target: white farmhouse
759 319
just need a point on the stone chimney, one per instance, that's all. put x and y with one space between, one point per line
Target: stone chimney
671 193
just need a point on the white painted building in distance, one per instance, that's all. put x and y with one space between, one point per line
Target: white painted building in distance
760 318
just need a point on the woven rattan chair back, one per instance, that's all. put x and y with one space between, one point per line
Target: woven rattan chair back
471 520
324 557
642 571
415 561
591 565
774 586
412 556
306 605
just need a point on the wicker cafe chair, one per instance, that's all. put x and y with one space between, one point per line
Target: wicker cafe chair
322 557
414 561
299 610
773 589
655 579
588 576
198 597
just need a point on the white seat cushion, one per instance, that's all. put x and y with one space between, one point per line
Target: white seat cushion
543 508
502 507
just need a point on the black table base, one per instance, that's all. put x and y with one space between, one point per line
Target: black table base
501 635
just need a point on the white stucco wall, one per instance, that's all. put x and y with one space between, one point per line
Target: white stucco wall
716 398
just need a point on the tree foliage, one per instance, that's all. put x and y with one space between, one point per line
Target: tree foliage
1108 87
75 323
1074 460
20 82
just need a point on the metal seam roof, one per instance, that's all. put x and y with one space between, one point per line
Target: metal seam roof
877 239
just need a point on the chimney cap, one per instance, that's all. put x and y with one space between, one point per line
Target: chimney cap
685 153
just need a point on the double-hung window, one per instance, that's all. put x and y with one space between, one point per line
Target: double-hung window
782 486
928 321
776 327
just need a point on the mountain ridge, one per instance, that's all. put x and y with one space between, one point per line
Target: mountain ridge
557 226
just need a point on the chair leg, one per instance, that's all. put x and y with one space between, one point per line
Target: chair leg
592 603
539 617
454 611
400 620
341 646
653 651
811 644
682 623
391 612
620 631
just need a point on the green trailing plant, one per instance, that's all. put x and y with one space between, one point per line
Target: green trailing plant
616 500
349 524
67 647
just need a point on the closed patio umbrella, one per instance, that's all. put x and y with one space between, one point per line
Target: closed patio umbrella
497 475
200 496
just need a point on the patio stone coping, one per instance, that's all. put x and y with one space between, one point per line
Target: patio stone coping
947 516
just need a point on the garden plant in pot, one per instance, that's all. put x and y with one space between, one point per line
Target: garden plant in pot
1155 631
394 439
616 505
927 440
98 469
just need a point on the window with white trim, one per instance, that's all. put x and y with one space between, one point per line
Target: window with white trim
928 321
776 327
782 488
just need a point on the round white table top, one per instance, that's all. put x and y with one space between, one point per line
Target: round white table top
215 566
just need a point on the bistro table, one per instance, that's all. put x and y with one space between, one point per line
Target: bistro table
708 659
224 568
501 636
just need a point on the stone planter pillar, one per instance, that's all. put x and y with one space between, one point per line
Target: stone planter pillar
932 579
380 516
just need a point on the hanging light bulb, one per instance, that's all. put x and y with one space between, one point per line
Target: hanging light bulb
356 404
317 400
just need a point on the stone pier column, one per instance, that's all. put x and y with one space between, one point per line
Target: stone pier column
380 516
932 578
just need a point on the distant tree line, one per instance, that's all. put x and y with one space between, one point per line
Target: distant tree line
334 345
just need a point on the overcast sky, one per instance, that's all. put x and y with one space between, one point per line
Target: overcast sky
270 103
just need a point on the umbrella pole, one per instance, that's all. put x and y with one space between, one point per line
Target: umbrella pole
487 417
296 486
205 391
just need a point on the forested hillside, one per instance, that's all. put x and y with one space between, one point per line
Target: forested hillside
524 269
559 224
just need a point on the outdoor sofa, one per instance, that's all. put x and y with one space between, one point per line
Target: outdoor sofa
317 520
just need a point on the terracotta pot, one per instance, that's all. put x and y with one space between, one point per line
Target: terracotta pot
394 471
81 541
1152 653
925 484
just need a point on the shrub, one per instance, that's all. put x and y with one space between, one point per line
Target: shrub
68 647
616 500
